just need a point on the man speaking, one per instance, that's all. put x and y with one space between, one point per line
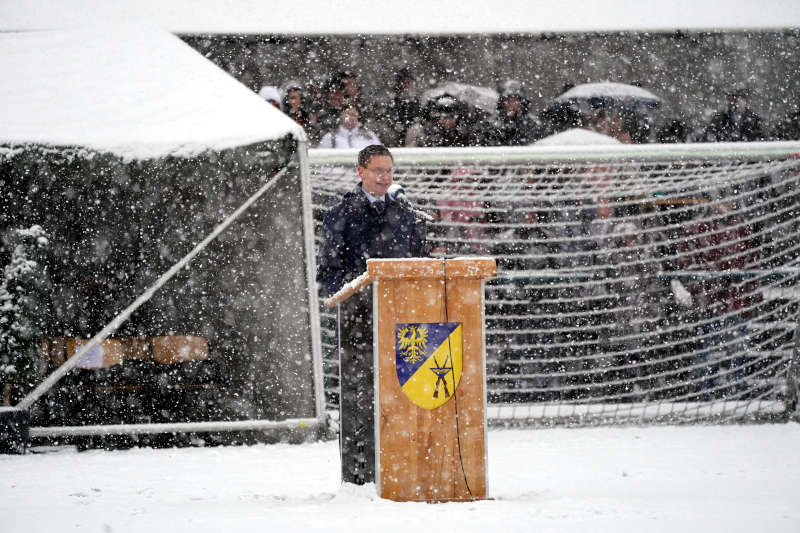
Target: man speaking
366 223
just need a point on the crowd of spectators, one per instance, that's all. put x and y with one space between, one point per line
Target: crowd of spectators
599 309
621 319
338 115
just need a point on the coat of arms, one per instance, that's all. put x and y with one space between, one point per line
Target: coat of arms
428 361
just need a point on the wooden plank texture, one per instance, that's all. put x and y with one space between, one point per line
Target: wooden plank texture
439 454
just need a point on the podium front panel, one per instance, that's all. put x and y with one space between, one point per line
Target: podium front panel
430 454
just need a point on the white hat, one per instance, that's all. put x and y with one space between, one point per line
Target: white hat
270 92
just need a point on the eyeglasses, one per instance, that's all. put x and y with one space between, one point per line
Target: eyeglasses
382 171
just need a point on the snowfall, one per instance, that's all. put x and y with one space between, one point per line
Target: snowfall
644 479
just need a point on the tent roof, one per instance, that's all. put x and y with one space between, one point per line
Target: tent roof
408 16
136 91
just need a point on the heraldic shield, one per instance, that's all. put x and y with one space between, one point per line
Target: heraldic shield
428 361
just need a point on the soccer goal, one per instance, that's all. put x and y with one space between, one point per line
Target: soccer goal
654 283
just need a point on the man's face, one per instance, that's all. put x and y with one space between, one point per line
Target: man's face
737 102
349 118
512 105
406 85
335 99
351 87
377 176
448 122
294 100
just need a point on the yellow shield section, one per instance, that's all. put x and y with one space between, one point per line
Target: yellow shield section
429 380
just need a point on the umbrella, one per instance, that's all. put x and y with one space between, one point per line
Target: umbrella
484 98
607 94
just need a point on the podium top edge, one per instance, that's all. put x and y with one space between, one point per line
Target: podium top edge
415 268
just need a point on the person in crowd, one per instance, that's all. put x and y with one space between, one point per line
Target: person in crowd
349 133
561 116
444 123
403 110
365 223
514 126
270 94
296 105
609 121
333 101
632 277
351 89
788 129
638 125
463 214
313 89
674 131
720 247
738 123
341 90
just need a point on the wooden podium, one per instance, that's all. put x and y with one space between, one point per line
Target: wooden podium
425 453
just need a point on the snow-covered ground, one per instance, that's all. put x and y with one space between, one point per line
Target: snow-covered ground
671 479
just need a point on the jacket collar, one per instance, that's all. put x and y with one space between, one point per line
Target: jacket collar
360 196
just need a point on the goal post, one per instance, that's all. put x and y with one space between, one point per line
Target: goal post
635 282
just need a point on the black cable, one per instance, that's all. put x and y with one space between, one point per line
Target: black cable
455 397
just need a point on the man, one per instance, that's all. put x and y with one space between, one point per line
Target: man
402 111
350 133
445 123
365 223
513 125
736 124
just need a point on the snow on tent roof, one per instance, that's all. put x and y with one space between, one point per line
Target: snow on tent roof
138 92
306 17
576 137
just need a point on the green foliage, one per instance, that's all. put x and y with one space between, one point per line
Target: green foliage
24 305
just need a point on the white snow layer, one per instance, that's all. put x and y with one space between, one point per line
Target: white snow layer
576 137
133 90
619 91
408 16
654 479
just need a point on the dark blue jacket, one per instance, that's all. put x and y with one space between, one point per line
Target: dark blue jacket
353 231
724 128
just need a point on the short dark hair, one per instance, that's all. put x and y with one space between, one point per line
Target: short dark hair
366 154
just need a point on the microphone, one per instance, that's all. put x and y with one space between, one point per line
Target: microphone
398 194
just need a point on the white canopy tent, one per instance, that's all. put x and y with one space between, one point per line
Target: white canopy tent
133 90
306 17
154 144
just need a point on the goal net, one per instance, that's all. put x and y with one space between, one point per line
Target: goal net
650 283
